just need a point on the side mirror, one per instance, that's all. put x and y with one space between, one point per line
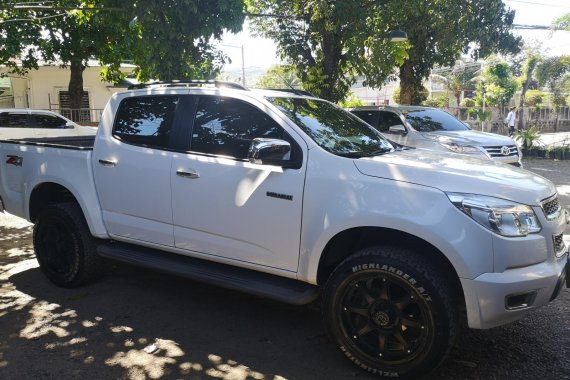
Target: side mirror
269 152
397 129
68 126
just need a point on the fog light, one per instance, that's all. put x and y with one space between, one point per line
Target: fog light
520 300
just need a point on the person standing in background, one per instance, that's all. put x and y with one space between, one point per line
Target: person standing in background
510 120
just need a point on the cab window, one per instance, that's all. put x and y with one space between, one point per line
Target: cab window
226 126
146 120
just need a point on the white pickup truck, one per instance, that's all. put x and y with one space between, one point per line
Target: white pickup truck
290 197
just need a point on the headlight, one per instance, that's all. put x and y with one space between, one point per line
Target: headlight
498 215
461 148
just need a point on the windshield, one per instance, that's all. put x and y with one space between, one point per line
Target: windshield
430 120
332 128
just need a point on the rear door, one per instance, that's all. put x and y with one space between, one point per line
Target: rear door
132 169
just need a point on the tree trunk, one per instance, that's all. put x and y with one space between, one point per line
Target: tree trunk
76 89
406 83
531 64
332 50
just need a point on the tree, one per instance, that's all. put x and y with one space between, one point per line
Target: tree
554 73
170 39
460 78
526 78
167 39
280 76
498 85
320 39
439 32
561 23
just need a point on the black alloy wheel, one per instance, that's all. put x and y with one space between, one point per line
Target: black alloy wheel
390 311
64 246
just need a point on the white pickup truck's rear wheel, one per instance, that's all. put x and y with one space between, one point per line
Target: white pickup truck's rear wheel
64 247
390 312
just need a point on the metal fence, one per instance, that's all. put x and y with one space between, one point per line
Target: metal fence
545 119
89 116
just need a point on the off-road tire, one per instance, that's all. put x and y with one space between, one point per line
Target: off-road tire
390 311
64 247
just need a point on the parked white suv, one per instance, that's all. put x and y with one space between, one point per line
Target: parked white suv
30 123
432 128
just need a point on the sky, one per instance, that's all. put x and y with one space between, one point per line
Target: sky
260 53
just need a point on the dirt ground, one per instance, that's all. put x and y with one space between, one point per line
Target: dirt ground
137 324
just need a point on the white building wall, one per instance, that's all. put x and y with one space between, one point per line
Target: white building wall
47 81
38 88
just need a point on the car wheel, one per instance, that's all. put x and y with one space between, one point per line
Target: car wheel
64 247
390 311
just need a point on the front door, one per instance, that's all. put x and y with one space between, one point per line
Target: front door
225 206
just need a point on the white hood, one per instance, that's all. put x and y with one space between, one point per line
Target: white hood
459 173
472 138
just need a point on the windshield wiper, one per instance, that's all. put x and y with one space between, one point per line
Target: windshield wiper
355 154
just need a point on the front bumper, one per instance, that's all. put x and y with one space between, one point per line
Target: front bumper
494 299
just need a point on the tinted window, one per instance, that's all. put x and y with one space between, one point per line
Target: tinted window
14 120
333 128
433 120
226 126
371 117
146 120
47 121
387 120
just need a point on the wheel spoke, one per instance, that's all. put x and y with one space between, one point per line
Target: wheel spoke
364 291
385 290
362 311
400 338
381 342
365 330
410 322
403 302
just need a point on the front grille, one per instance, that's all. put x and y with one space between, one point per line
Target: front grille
559 246
501 151
551 208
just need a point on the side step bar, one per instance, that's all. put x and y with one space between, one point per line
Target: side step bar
245 280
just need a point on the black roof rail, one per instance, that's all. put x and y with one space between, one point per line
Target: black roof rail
189 83
292 91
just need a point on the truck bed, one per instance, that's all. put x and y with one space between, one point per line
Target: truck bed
68 142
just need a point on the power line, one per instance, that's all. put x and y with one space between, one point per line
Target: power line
535 3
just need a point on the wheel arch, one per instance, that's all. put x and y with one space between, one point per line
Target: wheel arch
46 194
352 240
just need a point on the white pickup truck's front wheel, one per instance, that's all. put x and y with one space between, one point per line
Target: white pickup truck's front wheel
64 247
390 312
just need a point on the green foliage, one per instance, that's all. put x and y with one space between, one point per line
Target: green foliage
171 39
498 85
280 76
167 39
440 31
481 115
527 137
554 72
439 102
467 102
534 98
396 94
351 101
320 39
561 23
